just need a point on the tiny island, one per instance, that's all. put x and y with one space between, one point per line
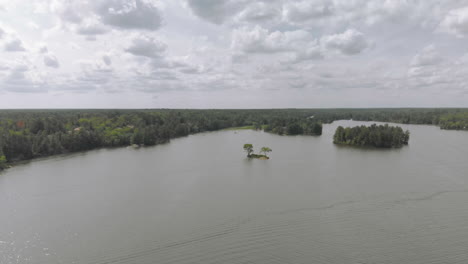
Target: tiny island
249 149
379 136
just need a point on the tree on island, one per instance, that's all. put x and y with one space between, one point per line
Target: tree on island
249 149
265 150
380 136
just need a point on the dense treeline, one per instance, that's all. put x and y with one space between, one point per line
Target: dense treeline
294 126
380 136
445 118
27 134
458 121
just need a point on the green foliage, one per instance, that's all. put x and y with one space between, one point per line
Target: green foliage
249 149
294 126
265 151
456 121
27 134
382 136
3 162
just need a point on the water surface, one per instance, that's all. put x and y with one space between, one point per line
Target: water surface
199 200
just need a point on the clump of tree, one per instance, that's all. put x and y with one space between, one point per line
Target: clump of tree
454 121
249 149
294 126
27 134
380 136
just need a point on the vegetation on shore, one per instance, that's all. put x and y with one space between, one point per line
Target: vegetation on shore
27 134
379 136
249 149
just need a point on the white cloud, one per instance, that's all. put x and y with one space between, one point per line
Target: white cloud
216 11
302 11
91 27
259 12
89 17
349 42
456 22
126 14
22 79
246 47
260 40
428 56
146 46
43 48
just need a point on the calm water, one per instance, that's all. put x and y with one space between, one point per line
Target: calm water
199 200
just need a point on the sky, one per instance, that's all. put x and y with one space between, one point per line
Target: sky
233 53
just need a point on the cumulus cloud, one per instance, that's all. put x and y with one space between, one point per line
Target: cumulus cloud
91 28
126 14
428 56
20 79
43 48
2 32
259 12
69 10
216 11
349 42
261 40
51 61
146 46
92 17
302 11
107 59
14 45
456 22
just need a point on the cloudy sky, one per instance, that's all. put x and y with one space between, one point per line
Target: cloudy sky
233 53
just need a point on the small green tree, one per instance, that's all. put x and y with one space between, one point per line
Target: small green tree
265 150
249 149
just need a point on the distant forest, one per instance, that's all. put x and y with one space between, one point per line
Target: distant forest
27 134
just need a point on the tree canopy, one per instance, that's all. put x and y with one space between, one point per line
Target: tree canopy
249 149
380 136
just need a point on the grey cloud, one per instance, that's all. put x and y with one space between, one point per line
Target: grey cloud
456 22
302 11
91 28
215 11
51 61
2 33
68 10
107 60
349 42
129 14
260 40
428 56
260 12
43 49
146 46
14 45
19 81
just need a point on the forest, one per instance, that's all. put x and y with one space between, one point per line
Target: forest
379 136
27 134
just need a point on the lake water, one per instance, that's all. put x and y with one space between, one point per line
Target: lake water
199 200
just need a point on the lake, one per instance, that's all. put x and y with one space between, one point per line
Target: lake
198 199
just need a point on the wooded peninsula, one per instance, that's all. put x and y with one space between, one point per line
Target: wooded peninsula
27 134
